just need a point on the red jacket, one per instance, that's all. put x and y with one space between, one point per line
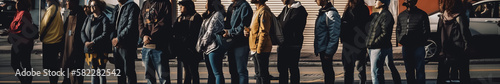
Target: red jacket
17 21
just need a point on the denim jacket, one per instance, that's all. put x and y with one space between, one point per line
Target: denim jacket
327 31
239 16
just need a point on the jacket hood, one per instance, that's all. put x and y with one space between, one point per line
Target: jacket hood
296 4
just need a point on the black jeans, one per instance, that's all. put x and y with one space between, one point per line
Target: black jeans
327 66
288 59
192 76
261 62
51 54
21 59
461 63
349 57
125 61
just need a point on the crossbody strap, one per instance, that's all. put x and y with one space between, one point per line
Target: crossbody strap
44 32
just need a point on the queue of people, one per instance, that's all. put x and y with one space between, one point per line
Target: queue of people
88 36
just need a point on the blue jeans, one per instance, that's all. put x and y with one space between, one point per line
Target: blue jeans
414 58
238 61
377 59
153 62
215 59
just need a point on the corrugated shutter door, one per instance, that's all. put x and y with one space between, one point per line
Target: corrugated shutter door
276 7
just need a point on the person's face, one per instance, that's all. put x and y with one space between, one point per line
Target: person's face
411 3
285 1
93 8
182 8
68 5
320 2
378 4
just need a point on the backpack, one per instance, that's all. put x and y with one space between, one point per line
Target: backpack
276 33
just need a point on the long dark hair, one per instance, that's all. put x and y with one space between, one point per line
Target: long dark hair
23 5
213 6
353 3
452 6
189 6
54 2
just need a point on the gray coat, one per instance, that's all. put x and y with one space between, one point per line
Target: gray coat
210 36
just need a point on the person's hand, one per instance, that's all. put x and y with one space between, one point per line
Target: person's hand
246 32
89 44
146 40
225 33
115 42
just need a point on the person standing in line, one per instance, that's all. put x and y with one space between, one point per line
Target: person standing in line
412 31
22 40
379 42
51 35
186 29
293 19
124 39
73 56
453 26
326 37
353 29
238 17
95 35
154 24
259 40
211 41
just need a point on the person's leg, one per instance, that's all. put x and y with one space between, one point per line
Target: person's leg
377 65
348 60
102 59
120 65
361 67
420 64
130 56
464 70
51 59
211 77
283 62
95 66
389 60
409 59
264 67
80 64
161 65
294 64
443 71
241 57
232 65
15 61
187 71
216 63
149 66
194 71
327 66
257 65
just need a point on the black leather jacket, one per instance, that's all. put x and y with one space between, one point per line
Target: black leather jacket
125 22
413 27
380 30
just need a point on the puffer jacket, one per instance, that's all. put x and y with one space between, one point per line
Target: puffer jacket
293 21
210 36
126 24
326 36
380 30
413 27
